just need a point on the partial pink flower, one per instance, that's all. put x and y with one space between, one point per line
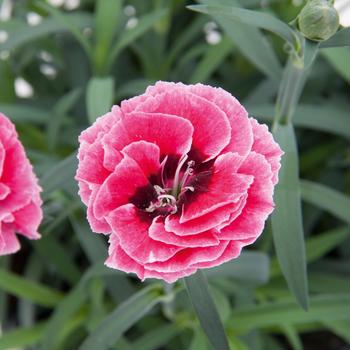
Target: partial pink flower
179 177
20 203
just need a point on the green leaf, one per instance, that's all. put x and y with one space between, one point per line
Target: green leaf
253 18
250 41
23 34
317 246
122 318
95 249
339 39
198 291
339 59
22 337
287 224
99 97
340 328
323 307
133 87
60 176
20 113
157 338
22 288
107 21
292 336
55 253
326 198
71 304
211 60
324 117
7 92
144 24
250 267
67 23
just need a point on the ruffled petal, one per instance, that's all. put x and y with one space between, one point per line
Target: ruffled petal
212 220
131 225
118 259
120 188
28 219
169 277
264 144
223 186
186 258
146 155
172 134
232 251
241 130
259 202
9 243
212 130
205 239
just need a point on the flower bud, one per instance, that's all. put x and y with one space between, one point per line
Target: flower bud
318 20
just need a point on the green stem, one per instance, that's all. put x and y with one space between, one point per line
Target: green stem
168 304
293 81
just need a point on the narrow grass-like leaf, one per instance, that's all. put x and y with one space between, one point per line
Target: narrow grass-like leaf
253 18
54 252
250 267
292 336
250 41
211 60
122 318
145 23
95 249
326 198
340 328
22 288
99 97
287 224
24 34
198 291
22 337
339 59
314 117
133 87
330 307
25 114
317 246
157 338
339 39
107 20
66 22
59 176
71 304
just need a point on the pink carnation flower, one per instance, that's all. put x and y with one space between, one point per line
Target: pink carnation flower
179 177
20 203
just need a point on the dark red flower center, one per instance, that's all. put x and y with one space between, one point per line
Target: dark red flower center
172 190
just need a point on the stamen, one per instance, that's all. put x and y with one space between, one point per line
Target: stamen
188 172
177 175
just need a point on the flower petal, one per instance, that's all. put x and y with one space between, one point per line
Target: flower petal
187 257
120 188
173 135
205 239
9 243
131 227
205 222
264 144
259 202
146 155
212 130
223 186
118 259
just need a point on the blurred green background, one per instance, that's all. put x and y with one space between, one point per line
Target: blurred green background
63 63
